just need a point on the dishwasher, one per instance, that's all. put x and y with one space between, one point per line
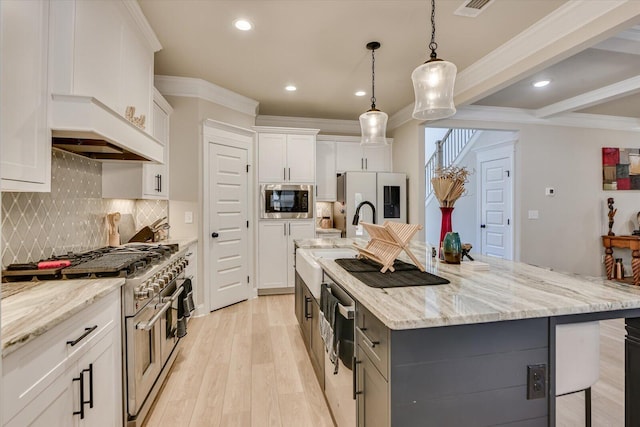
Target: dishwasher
339 386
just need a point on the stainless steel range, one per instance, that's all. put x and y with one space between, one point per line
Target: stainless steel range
154 305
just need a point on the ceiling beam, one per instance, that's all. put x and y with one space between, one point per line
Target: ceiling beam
573 27
594 97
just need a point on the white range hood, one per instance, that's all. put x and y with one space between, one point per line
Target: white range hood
86 126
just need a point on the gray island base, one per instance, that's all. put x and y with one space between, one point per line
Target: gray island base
461 354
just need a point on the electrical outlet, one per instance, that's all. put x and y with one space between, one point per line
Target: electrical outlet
536 381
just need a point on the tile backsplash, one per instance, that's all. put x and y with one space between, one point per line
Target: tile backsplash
71 217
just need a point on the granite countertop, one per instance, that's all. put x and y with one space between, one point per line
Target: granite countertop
181 241
29 309
508 291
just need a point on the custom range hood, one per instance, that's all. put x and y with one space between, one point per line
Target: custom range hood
86 126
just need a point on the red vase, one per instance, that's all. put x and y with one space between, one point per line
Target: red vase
445 227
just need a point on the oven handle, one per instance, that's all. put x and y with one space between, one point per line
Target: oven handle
147 326
173 296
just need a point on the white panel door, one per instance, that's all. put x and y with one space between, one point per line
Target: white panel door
301 158
272 157
296 230
496 208
272 254
228 225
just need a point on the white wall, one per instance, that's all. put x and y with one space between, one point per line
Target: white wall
567 236
408 154
185 165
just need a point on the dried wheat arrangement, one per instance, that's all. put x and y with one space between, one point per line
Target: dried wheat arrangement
448 184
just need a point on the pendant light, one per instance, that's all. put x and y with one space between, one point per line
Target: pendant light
373 123
433 82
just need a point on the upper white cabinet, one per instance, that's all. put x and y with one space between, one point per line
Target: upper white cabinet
25 138
351 156
104 49
286 155
127 180
326 181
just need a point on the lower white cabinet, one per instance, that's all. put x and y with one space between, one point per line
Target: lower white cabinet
50 382
276 251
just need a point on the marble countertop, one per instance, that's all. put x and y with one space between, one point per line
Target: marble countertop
29 309
181 241
508 291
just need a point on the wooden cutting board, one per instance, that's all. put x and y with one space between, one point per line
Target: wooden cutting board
127 227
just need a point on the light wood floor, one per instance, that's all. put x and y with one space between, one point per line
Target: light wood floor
246 365
243 365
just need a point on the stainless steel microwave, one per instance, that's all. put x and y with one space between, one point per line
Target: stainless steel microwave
278 201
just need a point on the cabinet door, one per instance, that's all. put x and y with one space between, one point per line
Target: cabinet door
373 396
136 76
299 300
301 158
272 254
53 407
316 345
296 230
377 159
272 157
25 136
155 181
102 384
349 157
326 185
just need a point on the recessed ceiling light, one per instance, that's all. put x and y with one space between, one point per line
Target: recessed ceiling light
541 83
291 88
243 24
361 93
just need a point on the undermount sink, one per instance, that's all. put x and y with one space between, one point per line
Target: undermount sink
310 271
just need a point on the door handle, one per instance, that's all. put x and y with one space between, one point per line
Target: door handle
483 226
90 370
361 163
87 331
354 368
214 235
307 315
289 174
366 164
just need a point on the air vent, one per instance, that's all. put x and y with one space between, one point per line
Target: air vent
472 8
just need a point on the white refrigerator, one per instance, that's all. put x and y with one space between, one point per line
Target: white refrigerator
386 191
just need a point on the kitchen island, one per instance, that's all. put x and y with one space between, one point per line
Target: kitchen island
458 354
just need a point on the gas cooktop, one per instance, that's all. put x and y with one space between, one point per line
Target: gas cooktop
110 261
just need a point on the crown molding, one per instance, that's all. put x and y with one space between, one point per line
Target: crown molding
198 88
401 117
556 35
143 25
477 113
594 97
210 124
327 126
286 130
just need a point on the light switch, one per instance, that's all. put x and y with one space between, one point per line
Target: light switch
188 217
534 215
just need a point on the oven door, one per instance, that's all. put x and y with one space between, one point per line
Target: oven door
286 201
144 359
172 295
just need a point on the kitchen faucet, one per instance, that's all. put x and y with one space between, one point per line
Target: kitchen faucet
356 217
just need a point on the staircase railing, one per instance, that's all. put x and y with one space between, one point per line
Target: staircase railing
447 151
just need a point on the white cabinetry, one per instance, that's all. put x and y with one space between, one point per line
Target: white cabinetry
351 156
104 49
276 251
286 155
326 171
41 381
127 180
25 147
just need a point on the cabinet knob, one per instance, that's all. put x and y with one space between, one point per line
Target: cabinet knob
214 235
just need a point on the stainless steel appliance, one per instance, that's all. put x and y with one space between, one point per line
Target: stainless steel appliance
339 386
385 191
279 201
154 279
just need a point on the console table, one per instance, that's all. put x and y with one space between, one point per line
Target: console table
624 242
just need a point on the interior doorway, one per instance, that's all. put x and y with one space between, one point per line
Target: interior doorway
495 199
227 205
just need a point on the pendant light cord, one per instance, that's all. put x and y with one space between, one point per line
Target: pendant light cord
373 79
433 45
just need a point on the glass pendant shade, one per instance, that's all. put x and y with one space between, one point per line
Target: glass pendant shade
433 84
373 127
